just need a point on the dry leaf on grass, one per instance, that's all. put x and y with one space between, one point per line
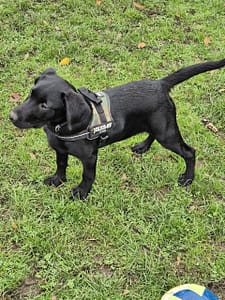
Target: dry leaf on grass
138 5
126 292
13 225
141 45
65 61
124 177
178 261
26 56
212 127
32 155
15 97
157 158
98 2
206 41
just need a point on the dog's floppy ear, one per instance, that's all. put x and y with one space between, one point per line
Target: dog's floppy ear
36 80
76 109
49 71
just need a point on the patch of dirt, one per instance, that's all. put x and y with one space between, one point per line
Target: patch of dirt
179 267
106 270
103 268
200 164
221 135
162 191
28 288
218 288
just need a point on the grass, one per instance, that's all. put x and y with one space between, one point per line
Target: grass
138 234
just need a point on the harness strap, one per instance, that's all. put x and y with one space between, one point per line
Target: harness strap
95 100
90 95
80 136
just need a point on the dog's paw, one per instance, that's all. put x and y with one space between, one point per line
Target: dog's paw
183 180
54 180
140 148
78 193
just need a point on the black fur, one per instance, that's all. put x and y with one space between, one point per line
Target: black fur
140 106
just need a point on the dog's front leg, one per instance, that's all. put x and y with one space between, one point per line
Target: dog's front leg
60 175
88 177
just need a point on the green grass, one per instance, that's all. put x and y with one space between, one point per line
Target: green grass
138 234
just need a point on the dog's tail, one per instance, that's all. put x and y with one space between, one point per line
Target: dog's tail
188 72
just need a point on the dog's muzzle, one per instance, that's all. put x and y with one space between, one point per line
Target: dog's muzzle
13 116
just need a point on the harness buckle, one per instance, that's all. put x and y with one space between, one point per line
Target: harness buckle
58 128
104 137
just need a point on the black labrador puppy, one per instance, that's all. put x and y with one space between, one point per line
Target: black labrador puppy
139 106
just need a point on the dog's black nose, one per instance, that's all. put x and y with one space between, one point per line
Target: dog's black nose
13 116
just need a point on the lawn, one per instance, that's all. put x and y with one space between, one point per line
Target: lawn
138 233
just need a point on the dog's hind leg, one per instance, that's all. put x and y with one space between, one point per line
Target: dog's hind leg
168 135
143 146
187 153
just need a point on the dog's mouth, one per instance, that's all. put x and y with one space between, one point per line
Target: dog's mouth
27 125
24 124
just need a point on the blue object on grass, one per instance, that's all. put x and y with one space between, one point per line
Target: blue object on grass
190 292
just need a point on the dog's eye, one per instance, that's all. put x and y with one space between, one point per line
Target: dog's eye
43 105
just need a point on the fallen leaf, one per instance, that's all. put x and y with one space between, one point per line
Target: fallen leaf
53 297
123 186
157 158
124 177
178 261
26 56
15 97
98 2
178 16
32 155
65 61
13 225
211 72
206 41
192 207
119 36
141 45
221 90
91 239
126 292
212 127
57 28
138 5
132 188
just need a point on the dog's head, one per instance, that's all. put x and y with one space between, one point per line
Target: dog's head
52 100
